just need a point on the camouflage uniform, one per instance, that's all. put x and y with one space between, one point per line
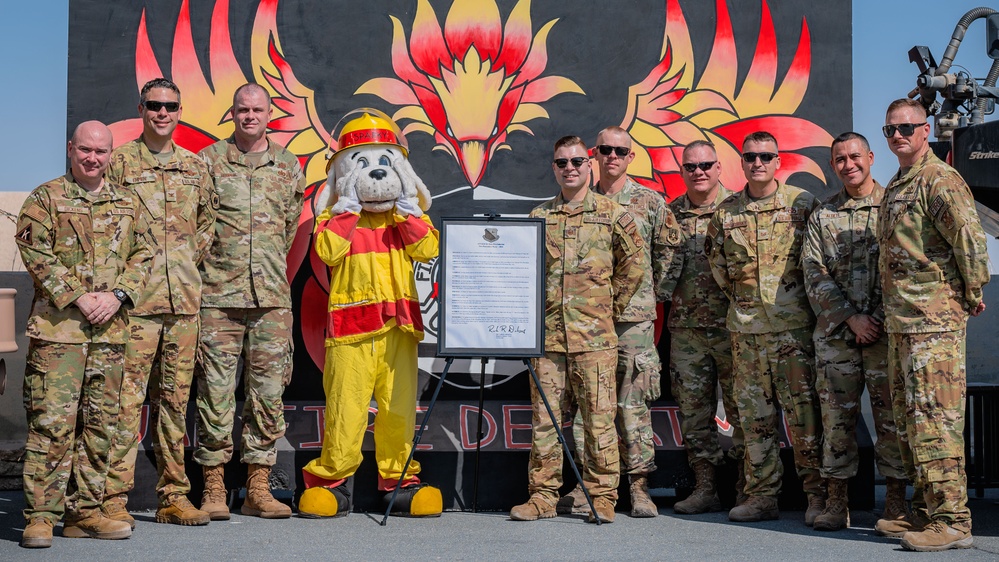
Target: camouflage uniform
754 249
839 257
933 265
74 242
246 301
638 365
700 346
593 269
180 203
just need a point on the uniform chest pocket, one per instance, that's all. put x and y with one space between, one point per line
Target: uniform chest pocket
897 209
693 245
832 241
789 228
554 252
592 235
72 240
122 220
737 241
189 194
227 186
153 199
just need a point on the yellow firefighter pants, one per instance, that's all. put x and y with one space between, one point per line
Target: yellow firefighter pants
383 366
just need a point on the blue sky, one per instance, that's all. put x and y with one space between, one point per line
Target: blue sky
33 38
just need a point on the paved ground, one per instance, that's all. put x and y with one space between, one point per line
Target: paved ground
492 536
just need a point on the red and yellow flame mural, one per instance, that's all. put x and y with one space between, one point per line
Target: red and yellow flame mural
472 84
475 81
667 110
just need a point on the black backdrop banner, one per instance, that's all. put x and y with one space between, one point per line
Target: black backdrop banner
482 89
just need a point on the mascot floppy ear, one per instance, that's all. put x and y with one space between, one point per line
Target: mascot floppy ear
345 187
323 198
412 185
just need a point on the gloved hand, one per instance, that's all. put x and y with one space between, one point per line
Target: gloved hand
347 202
350 205
407 206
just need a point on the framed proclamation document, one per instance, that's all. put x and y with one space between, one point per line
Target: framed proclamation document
492 289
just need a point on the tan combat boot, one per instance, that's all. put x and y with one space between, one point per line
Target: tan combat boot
573 503
937 536
604 508
95 526
213 500
704 498
179 511
537 507
114 508
836 515
894 499
37 534
259 501
641 503
756 508
896 528
816 505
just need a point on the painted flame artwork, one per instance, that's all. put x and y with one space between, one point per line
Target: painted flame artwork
668 110
473 82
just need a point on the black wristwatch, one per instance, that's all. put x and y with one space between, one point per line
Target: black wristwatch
120 295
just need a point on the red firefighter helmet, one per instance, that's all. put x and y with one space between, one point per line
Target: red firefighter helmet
362 127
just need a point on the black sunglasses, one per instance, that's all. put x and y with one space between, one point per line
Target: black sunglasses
905 128
606 149
765 157
704 166
577 162
155 106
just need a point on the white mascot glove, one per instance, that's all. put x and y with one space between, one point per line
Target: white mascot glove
407 206
347 202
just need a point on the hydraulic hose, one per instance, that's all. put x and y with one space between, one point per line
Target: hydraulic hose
958 36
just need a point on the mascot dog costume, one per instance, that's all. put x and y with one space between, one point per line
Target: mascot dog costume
370 238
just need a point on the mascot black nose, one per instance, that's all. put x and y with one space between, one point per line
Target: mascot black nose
377 174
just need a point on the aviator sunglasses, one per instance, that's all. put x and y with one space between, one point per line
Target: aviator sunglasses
765 157
704 166
577 162
906 129
606 149
155 106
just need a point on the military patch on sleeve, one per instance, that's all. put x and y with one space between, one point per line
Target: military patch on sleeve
673 235
215 200
626 220
24 236
36 213
937 206
627 224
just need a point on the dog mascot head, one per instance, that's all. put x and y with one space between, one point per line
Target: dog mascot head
370 167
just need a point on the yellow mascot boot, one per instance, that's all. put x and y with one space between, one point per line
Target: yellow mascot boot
416 500
325 501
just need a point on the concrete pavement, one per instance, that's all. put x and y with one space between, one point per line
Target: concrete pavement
492 536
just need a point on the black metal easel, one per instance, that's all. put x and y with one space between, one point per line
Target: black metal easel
430 409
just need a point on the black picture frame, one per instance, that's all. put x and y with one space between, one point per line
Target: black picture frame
515 247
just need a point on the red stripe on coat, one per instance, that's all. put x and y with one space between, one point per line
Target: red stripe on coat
369 318
413 229
341 224
375 241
